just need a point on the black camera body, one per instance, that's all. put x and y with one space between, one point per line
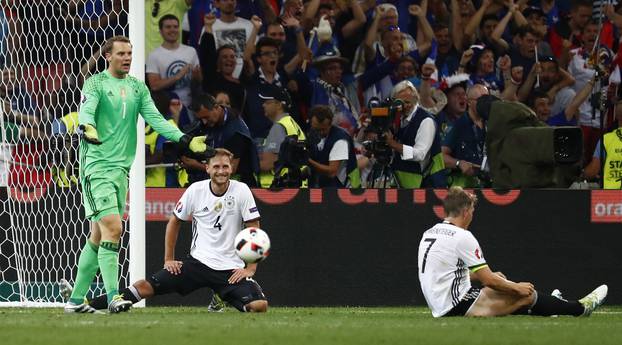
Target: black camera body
383 114
290 169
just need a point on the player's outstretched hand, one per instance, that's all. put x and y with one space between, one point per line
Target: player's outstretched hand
173 266
197 144
239 274
89 133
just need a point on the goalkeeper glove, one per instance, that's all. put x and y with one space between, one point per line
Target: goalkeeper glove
89 133
194 144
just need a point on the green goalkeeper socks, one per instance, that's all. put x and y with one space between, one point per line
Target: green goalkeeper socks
108 257
87 269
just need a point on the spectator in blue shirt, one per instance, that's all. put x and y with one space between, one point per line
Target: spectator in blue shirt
464 145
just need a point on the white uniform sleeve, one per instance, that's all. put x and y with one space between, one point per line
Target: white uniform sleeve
248 207
184 207
469 251
423 142
339 152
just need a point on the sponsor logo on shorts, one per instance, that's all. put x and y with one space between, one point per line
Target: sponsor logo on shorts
252 209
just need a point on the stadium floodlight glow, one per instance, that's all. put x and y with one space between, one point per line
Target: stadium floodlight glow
44 60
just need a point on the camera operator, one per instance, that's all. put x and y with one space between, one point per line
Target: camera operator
418 161
276 102
224 129
332 159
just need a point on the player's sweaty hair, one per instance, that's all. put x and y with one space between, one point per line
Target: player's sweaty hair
221 152
458 200
107 47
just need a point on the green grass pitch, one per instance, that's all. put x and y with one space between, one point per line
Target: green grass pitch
407 325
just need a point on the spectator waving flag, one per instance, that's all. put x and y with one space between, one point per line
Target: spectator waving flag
432 60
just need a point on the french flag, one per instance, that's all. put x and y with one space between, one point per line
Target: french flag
432 60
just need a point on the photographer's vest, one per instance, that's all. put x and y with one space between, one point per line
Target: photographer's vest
156 177
410 174
291 128
613 161
353 175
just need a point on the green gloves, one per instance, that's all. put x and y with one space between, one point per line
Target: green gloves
89 133
197 144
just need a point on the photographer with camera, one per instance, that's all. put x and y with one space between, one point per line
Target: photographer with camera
276 102
418 161
225 129
331 155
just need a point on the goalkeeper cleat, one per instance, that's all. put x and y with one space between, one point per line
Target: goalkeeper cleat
83 308
594 299
217 305
65 289
119 305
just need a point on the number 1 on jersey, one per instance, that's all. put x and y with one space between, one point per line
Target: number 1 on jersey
425 256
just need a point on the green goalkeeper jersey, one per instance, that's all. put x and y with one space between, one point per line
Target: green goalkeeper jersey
112 105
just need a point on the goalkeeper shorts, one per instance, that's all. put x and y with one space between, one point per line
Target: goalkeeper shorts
104 193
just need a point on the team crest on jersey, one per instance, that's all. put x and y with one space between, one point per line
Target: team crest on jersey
218 207
229 202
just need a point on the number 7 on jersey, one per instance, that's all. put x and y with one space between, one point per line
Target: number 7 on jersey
425 256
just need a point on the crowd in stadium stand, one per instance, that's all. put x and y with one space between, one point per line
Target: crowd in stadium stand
382 93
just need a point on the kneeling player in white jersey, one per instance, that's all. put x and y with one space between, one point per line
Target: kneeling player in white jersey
219 208
450 257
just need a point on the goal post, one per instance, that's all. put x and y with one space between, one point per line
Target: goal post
137 173
47 50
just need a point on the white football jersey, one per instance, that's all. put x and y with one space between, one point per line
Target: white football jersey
446 254
216 220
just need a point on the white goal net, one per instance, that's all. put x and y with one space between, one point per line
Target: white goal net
47 49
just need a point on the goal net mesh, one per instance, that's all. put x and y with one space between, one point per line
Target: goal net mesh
47 50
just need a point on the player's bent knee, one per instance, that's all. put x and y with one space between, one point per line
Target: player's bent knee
259 306
145 289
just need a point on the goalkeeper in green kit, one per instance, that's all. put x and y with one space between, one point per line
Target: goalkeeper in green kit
109 109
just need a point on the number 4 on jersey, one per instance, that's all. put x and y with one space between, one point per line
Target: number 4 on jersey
217 224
